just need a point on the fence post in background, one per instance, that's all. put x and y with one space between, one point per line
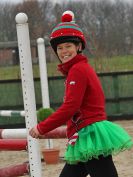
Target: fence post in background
28 91
116 92
44 80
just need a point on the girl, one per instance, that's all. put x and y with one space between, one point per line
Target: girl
92 139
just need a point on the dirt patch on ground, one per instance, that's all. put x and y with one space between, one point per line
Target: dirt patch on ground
123 161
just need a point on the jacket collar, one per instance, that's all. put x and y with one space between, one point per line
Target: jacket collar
65 67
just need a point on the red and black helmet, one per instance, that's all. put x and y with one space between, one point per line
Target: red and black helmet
67 31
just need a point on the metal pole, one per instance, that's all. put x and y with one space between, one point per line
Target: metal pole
44 80
28 91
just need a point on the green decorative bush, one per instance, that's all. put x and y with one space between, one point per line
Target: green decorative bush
43 113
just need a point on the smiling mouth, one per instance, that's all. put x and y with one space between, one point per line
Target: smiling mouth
66 57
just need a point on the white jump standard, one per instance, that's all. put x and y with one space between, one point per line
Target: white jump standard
28 92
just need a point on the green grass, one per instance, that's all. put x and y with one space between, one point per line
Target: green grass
9 72
123 63
119 63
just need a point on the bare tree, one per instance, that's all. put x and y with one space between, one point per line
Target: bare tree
107 25
32 9
7 22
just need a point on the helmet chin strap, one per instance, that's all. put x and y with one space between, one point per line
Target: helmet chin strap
79 48
79 51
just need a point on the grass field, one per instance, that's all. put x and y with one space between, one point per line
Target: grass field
120 63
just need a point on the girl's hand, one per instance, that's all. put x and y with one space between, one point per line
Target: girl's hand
34 132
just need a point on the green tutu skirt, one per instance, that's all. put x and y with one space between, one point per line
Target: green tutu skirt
100 138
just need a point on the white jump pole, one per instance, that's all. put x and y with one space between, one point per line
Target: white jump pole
28 91
10 113
44 80
57 133
43 73
14 133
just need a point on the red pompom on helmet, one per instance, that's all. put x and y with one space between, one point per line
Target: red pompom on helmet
67 16
67 31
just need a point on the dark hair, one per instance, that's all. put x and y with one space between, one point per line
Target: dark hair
63 39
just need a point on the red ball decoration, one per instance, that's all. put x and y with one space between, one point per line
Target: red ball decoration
67 18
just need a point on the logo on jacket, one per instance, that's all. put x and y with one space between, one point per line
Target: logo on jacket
72 82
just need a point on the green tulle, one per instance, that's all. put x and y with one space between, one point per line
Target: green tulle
101 138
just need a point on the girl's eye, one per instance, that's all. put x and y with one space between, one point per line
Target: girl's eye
68 46
58 48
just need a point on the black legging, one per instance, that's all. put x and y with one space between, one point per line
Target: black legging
102 167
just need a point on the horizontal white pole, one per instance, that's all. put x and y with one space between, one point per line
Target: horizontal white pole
11 113
57 133
14 134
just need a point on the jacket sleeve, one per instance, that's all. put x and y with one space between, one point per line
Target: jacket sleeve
75 89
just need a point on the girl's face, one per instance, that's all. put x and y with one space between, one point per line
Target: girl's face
66 51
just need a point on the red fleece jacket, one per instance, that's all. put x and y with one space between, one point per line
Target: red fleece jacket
84 101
